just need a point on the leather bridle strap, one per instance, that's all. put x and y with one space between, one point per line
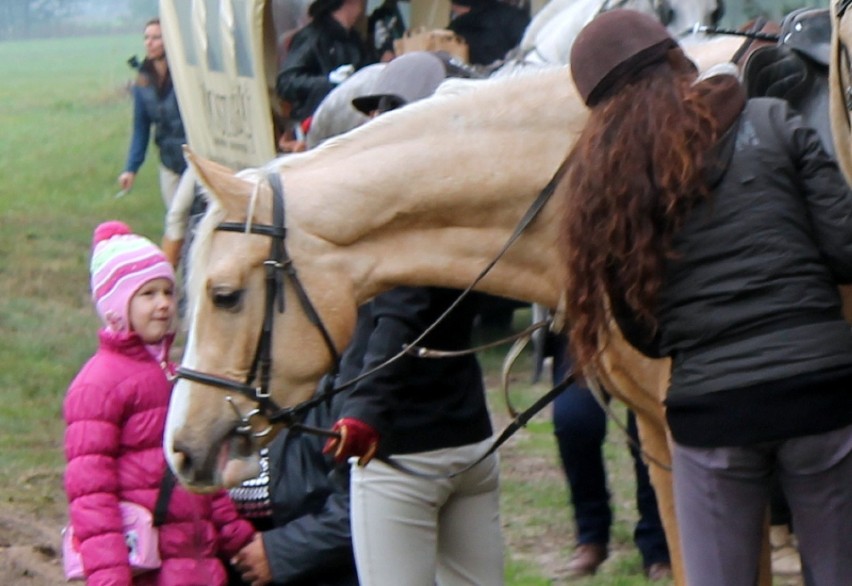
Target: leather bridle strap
278 266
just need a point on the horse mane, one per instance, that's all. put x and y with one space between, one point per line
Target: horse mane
199 251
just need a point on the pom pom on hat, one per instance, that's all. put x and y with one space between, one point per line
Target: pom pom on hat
109 229
122 262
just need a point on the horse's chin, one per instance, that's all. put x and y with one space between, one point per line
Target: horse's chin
237 462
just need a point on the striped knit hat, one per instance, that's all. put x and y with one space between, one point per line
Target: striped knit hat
121 263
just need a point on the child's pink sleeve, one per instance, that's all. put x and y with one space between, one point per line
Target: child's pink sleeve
234 531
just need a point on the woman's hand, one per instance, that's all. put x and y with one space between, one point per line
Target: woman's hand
356 439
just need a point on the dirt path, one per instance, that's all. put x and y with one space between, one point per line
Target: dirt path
30 546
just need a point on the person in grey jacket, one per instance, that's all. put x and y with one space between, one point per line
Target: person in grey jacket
720 230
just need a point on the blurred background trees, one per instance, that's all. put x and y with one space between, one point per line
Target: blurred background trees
22 19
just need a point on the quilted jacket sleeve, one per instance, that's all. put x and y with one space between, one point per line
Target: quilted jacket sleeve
92 437
234 531
827 196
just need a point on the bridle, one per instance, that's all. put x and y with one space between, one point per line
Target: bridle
278 266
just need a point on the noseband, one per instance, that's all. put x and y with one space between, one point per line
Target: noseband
278 266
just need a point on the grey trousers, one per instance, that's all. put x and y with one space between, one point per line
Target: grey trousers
410 531
721 498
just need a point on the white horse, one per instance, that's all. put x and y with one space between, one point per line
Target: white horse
551 33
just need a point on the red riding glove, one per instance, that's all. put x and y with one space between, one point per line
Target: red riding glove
356 439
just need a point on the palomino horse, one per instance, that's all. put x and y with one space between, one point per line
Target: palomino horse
426 195
548 39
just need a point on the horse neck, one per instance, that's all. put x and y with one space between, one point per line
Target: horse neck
429 194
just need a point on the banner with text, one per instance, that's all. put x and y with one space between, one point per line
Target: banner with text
222 60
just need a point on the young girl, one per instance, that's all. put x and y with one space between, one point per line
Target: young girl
115 410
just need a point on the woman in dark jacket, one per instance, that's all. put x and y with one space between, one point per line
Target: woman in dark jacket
720 229
322 54
155 104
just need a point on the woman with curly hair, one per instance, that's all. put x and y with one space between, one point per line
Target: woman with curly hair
715 230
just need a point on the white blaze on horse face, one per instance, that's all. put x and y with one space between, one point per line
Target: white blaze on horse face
175 419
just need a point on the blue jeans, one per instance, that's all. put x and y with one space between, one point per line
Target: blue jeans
579 424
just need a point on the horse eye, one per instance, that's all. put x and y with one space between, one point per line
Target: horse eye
227 299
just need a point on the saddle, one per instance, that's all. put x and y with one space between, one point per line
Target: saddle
796 68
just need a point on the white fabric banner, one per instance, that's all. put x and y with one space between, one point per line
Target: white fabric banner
222 60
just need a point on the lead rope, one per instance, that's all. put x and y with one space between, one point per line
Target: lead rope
517 423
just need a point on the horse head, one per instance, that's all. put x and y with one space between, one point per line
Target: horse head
246 302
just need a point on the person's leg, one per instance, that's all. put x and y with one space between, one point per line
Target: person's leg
649 535
721 495
816 475
470 540
579 424
394 524
169 181
785 552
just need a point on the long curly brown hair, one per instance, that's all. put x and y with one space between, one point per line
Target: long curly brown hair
632 175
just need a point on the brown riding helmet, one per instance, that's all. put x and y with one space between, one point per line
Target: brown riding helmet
613 49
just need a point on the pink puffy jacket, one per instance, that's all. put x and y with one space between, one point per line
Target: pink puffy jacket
115 410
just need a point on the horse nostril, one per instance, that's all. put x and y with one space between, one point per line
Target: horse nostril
181 460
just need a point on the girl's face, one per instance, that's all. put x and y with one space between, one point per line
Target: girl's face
154 42
152 310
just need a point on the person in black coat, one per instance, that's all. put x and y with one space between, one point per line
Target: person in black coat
490 28
430 414
300 505
322 54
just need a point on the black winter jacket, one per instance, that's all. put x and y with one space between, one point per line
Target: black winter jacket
417 404
750 311
316 50
311 543
491 30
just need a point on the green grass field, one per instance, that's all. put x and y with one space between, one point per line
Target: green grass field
65 123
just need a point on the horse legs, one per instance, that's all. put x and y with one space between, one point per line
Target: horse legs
640 383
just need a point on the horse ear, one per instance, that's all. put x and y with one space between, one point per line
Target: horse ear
221 182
